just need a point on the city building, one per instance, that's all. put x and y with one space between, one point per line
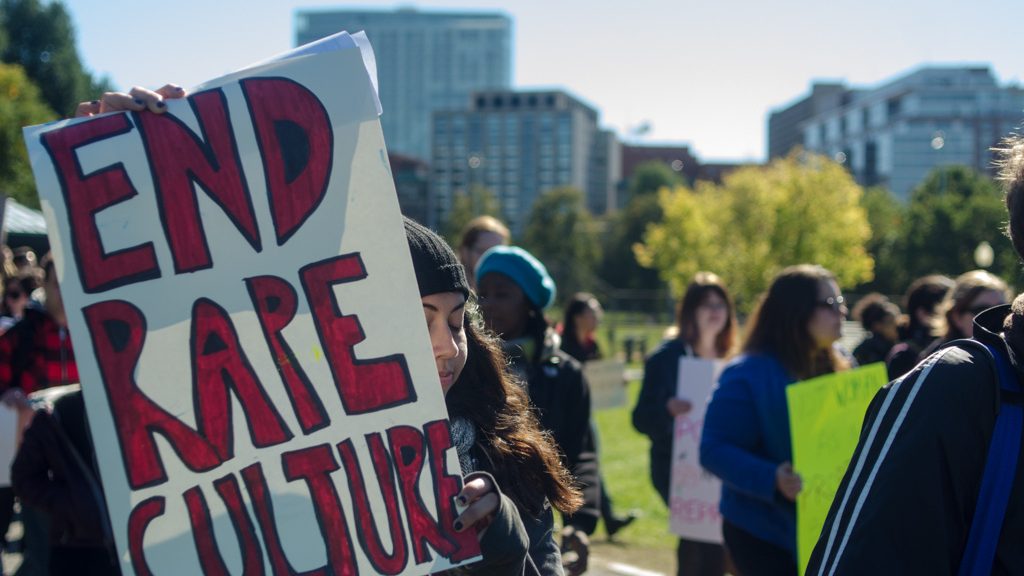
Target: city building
412 183
785 125
519 144
426 61
893 135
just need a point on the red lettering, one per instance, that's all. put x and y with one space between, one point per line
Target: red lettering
367 533
314 465
202 533
259 495
231 495
178 159
296 143
118 331
275 303
408 447
446 488
220 364
138 520
363 385
84 196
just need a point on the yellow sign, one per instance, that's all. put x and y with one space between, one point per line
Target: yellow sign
825 418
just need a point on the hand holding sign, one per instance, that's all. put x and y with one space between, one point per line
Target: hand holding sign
137 100
788 482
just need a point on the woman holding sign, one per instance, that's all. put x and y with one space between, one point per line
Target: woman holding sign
746 438
706 328
498 439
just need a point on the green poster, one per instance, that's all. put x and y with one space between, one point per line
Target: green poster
825 417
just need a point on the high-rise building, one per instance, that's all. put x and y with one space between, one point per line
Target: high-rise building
426 61
784 125
519 144
894 134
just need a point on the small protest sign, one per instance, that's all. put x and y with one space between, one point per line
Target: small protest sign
825 418
694 492
255 365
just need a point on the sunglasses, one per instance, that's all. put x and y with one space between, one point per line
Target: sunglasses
834 303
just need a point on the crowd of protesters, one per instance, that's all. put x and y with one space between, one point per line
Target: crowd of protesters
522 416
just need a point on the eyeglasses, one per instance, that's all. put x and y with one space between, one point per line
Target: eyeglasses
834 303
14 294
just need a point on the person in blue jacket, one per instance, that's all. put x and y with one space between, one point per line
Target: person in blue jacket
746 440
705 328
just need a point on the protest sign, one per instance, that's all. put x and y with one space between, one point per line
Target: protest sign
694 493
825 418
257 373
607 380
9 432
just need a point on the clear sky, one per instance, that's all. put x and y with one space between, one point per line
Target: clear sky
703 73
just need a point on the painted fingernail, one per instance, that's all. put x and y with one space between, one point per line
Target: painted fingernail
139 102
161 104
461 500
95 102
458 525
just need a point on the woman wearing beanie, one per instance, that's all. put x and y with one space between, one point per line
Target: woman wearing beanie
514 290
512 470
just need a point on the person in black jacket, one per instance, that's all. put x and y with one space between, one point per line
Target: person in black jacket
512 470
705 328
923 300
907 501
515 288
55 472
880 319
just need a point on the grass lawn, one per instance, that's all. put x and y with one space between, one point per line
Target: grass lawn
624 464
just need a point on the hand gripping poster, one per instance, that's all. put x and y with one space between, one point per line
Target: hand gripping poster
257 373
694 492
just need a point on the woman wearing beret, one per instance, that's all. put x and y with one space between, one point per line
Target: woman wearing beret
513 472
514 289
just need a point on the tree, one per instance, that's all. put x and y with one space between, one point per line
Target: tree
949 214
561 233
886 217
651 176
466 205
20 106
41 39
798 209
619 267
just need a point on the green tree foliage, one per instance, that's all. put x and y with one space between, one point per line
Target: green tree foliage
797 209
949 214
561 233
466 205
20 105
886 217
41 39
651 176
626 227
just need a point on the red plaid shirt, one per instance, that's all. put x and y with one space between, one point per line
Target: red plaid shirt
36 354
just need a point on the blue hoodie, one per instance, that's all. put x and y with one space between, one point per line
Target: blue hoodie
746 437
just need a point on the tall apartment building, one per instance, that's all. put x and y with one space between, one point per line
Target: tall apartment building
519 144
426 61
894 134
785 124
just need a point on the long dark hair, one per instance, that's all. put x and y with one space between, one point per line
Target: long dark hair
526 461
578 304
778 325
705 283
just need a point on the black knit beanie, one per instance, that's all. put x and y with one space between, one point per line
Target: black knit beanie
437 268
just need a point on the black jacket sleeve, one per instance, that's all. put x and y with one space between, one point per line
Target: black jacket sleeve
505 543
904 504
580 447
650 416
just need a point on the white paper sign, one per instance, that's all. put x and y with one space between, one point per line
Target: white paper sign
257 372
694 493
8 442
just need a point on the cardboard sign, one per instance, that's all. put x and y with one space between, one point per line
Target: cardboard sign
9 432
825 418
258 376
695 492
